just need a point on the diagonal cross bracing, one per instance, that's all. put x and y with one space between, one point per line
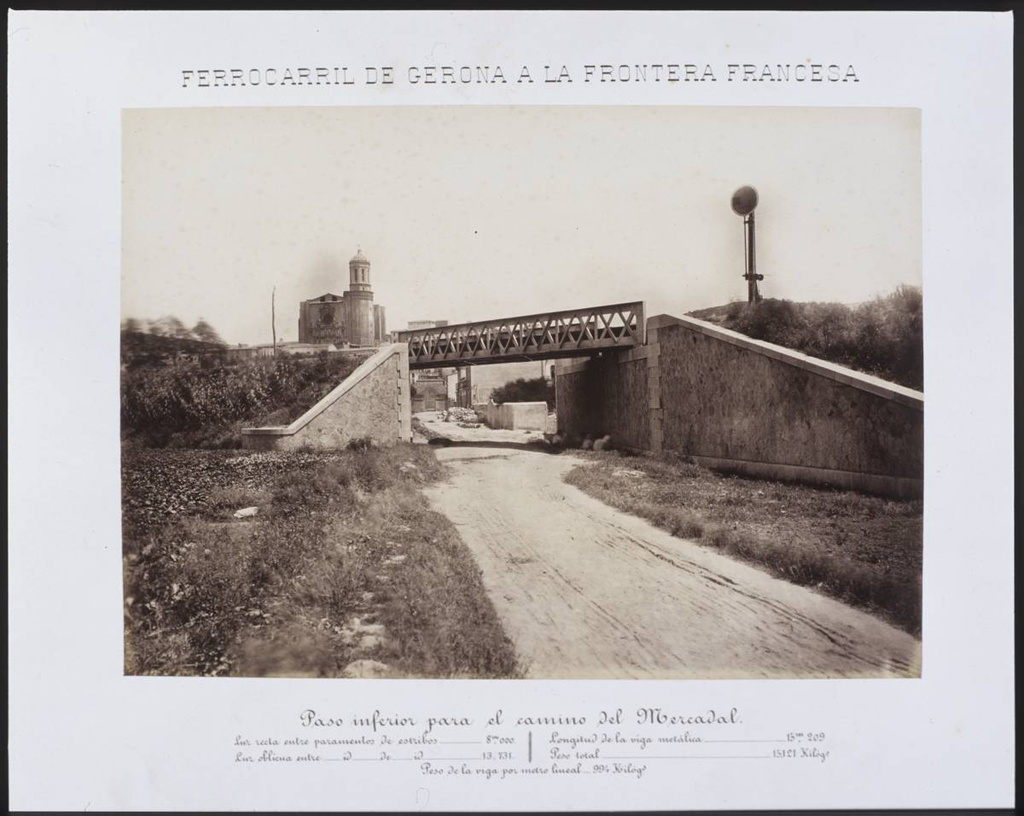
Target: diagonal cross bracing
568 333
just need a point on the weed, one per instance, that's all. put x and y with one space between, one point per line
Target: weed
439 613
361 443
349 537
296 649
223 501
680 523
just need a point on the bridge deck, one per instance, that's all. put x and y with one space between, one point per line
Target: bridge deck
569 333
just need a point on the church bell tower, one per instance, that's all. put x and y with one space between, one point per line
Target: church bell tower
359 302
359 273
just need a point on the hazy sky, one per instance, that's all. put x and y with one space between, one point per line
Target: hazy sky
472 212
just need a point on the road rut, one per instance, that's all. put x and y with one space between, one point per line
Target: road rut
586 591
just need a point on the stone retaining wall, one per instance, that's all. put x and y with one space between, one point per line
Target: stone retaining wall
373 401
748 406
606 395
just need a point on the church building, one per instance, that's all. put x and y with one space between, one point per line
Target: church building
349 319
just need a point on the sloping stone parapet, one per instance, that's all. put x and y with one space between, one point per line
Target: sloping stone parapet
372 402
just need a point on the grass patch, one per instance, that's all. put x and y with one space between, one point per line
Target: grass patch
343 563
864 550
440 629
224 501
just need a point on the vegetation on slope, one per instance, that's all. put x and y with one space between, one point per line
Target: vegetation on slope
343 567
190 404
882 337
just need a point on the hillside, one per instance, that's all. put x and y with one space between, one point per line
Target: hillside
882 337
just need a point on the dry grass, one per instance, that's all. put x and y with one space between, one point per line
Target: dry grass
864 550
344 562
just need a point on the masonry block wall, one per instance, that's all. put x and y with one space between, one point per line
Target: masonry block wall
371 402
575 385
517 416
606 395
751 407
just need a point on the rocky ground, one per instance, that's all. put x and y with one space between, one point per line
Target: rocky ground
158 485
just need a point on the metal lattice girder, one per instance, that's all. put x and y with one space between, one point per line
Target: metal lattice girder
532 337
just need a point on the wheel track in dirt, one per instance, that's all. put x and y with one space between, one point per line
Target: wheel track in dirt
586 591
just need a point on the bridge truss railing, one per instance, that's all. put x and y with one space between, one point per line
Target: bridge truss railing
540 336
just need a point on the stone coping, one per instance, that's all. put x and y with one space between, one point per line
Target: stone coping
351 381
847 376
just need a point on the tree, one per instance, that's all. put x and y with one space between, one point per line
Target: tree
130 324
207 333
523 390
170 326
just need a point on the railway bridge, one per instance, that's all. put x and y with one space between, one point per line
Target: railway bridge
569 333
653 384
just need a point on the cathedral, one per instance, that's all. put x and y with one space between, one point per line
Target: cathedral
349 319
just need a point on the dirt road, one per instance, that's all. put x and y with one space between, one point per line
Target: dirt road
586 591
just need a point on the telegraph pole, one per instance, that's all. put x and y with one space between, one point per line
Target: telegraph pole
273 323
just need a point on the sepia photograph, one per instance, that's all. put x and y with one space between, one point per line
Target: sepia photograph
522 392
510 411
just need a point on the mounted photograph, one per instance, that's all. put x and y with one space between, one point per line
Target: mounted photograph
522 392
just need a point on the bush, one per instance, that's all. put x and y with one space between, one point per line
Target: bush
360 443
882 337
159 402
523 390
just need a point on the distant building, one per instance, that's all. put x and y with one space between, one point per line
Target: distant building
349 319
431 385
414 325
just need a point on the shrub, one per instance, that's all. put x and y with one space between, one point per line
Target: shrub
159 402
302 490
881 337
360 443
523 390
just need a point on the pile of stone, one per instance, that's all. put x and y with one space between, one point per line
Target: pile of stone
460 415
